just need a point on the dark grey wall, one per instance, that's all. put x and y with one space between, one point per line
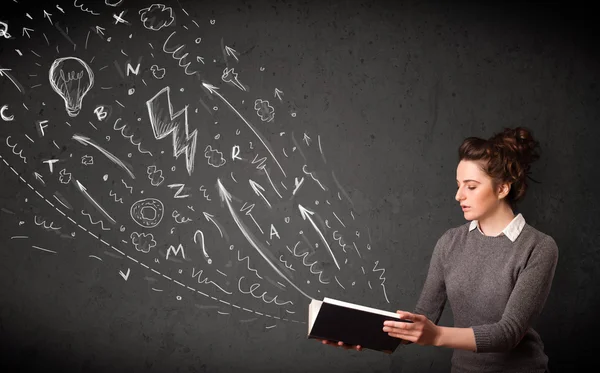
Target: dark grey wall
384 93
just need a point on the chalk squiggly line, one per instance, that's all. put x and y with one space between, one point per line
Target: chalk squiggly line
130 137
310 266
340 240
248 263
139 262
381 278
43 223
98 222
20 154
203 190
84 10
313 177
114 195
128 187
285 263
262 297
206 281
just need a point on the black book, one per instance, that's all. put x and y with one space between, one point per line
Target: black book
353 324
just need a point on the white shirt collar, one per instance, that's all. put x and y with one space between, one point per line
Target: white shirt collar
512 230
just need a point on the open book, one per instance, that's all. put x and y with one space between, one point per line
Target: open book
353 324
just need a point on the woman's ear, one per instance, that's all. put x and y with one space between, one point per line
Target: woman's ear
504 190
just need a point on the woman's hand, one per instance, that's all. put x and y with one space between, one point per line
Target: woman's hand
421 331
341 344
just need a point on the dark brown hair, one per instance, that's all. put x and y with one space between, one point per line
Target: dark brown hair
506 157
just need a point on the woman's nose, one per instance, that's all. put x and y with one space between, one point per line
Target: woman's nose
458 196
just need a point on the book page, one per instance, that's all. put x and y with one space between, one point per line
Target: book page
361 308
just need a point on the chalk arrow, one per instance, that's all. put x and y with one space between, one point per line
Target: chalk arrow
99 30
48 15
307 139
39 177
211 218
83 190
307 214
278 94
26 31
200 59
258 189
87 141
211 88
125 276
4 72
214 90
231 52
263 251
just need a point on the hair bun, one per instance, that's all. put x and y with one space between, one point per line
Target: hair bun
507 155
517 143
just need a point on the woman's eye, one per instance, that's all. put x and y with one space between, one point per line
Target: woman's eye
471 188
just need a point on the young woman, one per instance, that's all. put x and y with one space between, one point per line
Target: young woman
496 270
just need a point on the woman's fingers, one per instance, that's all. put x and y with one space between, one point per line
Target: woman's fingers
344 345
395 327
341 344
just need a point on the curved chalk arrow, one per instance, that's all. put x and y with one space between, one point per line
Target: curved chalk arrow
212 89
226 197
307 214
86 141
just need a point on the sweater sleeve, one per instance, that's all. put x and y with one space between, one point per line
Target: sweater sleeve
525 302
433 295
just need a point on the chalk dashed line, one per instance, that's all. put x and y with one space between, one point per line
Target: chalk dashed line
142 264
134 259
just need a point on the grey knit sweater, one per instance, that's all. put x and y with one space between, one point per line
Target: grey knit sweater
496 287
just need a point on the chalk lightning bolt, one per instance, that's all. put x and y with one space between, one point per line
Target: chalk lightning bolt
165 123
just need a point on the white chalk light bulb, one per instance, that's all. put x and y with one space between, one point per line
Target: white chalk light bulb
72 79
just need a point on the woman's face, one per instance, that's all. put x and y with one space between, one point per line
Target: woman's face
475 191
